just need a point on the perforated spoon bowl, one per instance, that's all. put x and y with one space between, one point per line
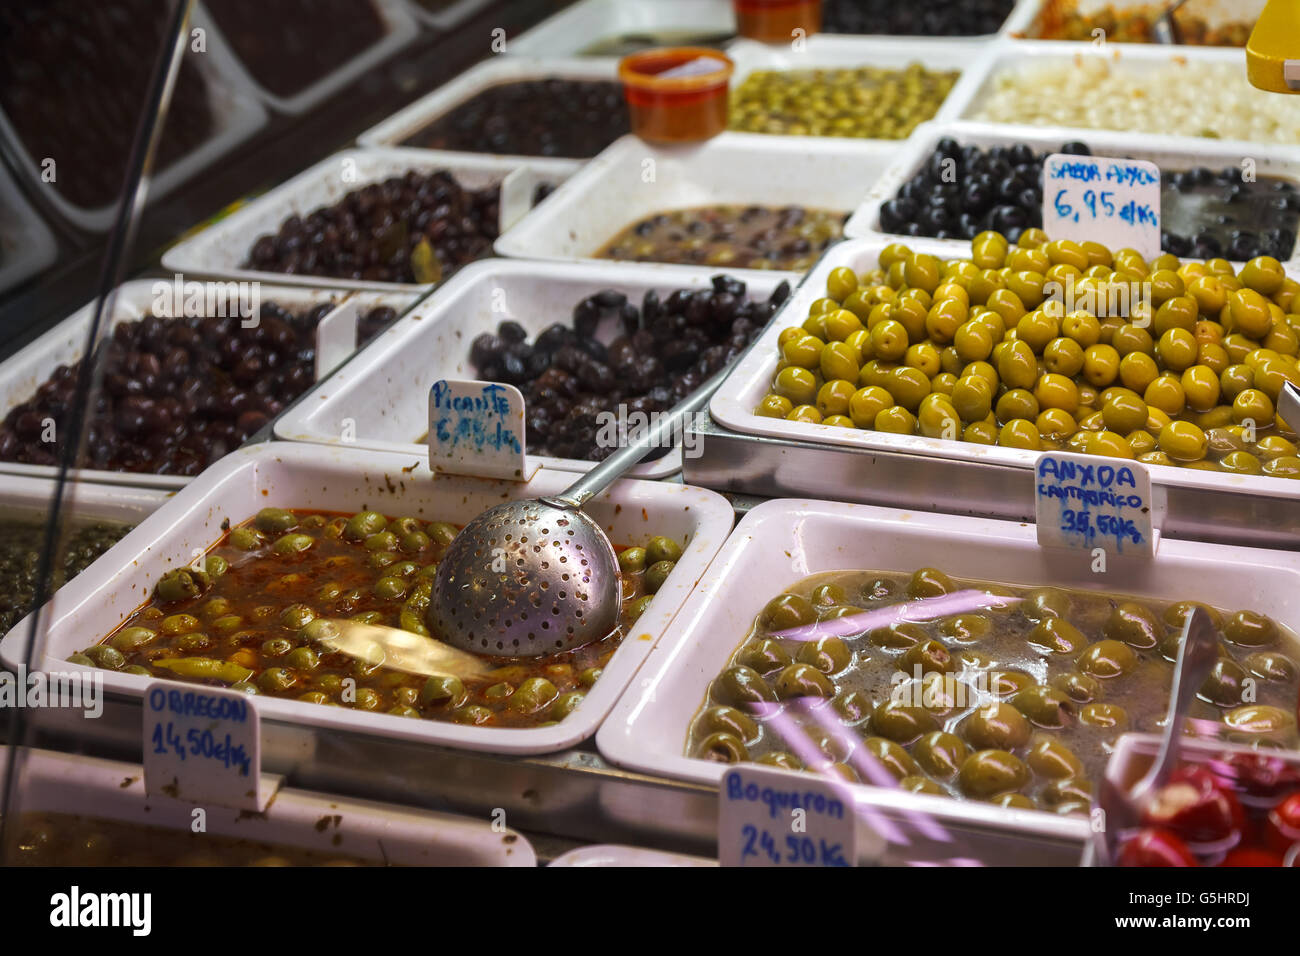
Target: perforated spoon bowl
537 576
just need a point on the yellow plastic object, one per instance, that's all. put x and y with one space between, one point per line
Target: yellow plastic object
1273 51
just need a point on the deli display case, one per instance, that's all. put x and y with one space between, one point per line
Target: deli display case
600 433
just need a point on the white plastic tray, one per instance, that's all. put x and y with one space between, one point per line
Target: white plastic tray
28 496
24 371
222 248
1138 59
734 403
402 29
609 854
631 180
294 475
829 52
781 542
26 244
236 115
493 72
355 829
385 391
572 30
1023 22
1170 153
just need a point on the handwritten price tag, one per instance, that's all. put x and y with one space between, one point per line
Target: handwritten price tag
203 745
773 817
477 428
1086 502
1094 198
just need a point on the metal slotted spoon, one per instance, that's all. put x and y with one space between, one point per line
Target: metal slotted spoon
537 576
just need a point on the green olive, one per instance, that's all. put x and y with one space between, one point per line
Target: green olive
722 748
1272 666
533 695
929 582
389 588
896 636
764 655
927 656
247 539
276 647
1058 635
181 584
193 643
787 611
1107 716
1046 602
1135 625
106 657
1175 616
276 679
741 685
802 680
297 616
1108 658
1049 757
940 754
303 659
728 720
471 714
830 655
919 784
1080 688
853 707
902 722
631 560
780 758
1067 791
996 726
1225 684
363 524
1014 801
215 565
380 541
1043 706
657 574
891 756
965 628
1249 629
663 549
275 520
988 773
443 690
132 638
588 676
178 624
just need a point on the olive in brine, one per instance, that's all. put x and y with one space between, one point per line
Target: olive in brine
1046 602
663 549
780 758
987 773
1272 666
853 707
1049 757
1058 635
742 685
965 628
363 524
1070 790
828 594
891 756
1250 629
1225 684
830 655
765 656
1043 706
275 520
928 656
940 754
898 636
1107 659
1259 720
802 680
1135 625
1105 716
722 748
902 722
441 689
1175 615
1080 688
996 726
928 583
787 611
182 584
919 784
1014 801
727 720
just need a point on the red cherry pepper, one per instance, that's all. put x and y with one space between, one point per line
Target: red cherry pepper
1283 827
1196 806
1251 856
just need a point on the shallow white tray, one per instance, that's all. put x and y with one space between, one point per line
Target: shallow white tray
29 496
1137 59
572 30
301 819
1170 153
402 29
492 72
611 192
26 243
222 248
610 854
292 475
734 403
780 542
236 115
1023 22
829 52
385 391
24 371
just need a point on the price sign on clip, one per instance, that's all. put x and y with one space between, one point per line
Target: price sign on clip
1115 202
1086 502
477 428
772 817
203 744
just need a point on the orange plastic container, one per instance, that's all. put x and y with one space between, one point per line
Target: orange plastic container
775 21
676 94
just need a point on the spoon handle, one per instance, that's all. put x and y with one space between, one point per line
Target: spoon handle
662 432
1196 657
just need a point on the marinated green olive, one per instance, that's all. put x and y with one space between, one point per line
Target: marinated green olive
988 773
